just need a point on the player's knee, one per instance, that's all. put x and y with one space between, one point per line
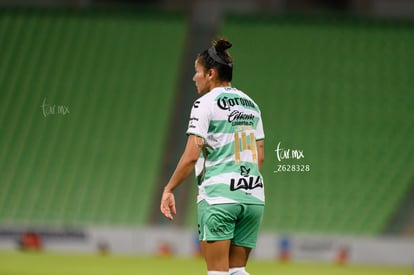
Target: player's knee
238 271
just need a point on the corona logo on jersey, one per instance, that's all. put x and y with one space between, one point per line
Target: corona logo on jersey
246 182
225 102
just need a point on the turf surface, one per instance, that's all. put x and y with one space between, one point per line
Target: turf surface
18 263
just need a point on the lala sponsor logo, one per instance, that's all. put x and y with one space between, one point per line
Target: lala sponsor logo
246 181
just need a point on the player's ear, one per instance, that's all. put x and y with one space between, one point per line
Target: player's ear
211 73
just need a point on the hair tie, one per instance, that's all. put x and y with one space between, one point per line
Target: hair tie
213 54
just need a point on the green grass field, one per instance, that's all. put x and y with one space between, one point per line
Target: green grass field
17 263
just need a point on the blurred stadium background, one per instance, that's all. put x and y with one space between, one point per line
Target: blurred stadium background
94 103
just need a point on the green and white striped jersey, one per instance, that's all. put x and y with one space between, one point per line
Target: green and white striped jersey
230 123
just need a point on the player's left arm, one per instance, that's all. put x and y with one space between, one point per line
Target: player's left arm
259 134
184 167
260 153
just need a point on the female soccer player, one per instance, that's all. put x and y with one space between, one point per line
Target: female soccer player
226 147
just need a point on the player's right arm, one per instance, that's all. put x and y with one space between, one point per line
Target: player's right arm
197 129
182 171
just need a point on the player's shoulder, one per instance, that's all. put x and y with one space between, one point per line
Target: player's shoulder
206 99
248 100
244 95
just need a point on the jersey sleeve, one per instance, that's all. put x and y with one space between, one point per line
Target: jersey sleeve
259 130
199 119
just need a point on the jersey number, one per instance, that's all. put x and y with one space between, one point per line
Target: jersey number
247 143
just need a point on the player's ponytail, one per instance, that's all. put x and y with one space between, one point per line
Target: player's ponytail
222 45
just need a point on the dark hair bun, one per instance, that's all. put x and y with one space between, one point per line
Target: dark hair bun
222 44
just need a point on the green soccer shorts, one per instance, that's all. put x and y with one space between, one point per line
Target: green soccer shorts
239 223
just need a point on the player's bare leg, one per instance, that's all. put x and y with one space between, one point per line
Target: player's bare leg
216 255
238 259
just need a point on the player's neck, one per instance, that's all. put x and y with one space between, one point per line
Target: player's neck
220 84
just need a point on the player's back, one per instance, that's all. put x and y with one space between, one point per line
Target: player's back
231 172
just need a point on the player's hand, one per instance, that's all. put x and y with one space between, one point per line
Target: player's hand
168 205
